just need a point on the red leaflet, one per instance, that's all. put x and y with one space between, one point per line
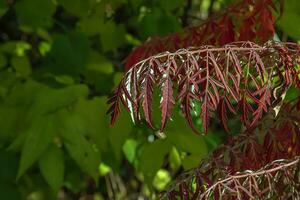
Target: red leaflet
167 102
223 115
267 24
147 95
227 34
114 109
247 30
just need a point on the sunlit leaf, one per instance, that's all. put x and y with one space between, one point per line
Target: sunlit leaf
161 179
129 149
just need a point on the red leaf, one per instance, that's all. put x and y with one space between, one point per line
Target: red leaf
167 101
147 93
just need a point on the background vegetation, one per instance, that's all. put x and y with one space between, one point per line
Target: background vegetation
59 60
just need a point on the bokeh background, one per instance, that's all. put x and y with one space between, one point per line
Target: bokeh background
59 60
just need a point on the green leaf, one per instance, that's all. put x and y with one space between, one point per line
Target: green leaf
99 63
50 100
174 159
290 16
52 167
35 13
103 83
44 47
11 122
87 25
92 113
69 54
40 136
129 149
292 94
112 36
104 169
64 79
158 23
85 154
78 8
191 161
119 133
22 47
117 78
161 179
152 157
21 65
183 138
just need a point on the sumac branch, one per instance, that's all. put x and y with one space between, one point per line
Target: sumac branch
240 77
251 164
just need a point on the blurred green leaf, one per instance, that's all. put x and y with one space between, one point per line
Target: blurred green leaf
290 15
85 154
48 101
183 138
292 94
119 133
69 54
112 36
35 13
191 161
44 47
129 149
92 112
152 157
8 47
104 169
174 159
99 63
22 47
52 167
158 23
21 65
64 79
161 179
87 25
78 8
39 137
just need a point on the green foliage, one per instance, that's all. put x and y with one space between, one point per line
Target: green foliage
290 16
151 23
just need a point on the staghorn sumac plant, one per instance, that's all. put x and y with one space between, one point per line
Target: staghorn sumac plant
224 66
247 166
238 77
